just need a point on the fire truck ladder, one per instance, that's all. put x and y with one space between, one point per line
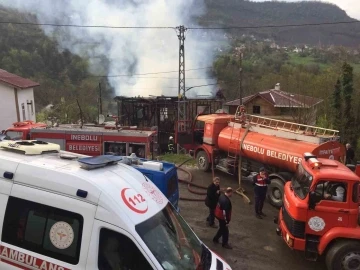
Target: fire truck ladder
292 130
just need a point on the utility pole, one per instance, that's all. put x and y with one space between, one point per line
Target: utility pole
100 99
100 104
182 117
240 77
241 190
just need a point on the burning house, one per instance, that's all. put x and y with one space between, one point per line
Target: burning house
162 112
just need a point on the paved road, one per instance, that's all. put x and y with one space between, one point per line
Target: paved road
256 245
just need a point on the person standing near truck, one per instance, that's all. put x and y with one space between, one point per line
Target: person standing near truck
223 214
260 181
211 200
350 154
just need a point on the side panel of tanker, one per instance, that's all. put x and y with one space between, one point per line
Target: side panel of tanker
274 151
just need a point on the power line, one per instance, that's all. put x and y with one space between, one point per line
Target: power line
132 75
150 73
272 26
172 27
89 26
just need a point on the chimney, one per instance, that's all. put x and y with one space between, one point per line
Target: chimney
277 87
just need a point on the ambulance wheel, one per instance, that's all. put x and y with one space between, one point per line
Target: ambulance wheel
344 255
202 161
276 192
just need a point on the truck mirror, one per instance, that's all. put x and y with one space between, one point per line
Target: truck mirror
312 200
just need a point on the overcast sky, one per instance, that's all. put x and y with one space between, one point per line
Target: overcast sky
352 7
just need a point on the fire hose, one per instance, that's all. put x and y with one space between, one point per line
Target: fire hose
191 183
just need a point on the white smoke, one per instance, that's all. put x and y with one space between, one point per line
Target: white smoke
131 51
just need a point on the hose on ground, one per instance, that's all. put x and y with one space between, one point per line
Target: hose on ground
190 183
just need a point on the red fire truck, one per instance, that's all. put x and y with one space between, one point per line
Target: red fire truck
320 215
88 140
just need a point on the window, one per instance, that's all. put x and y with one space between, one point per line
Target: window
117 252
31 106
355 195
34 226
301 182
14 135
336 191
172 242
138 149
23 111
256 109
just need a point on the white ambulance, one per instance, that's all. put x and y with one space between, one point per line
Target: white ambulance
61 211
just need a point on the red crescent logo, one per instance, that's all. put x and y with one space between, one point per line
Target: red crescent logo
129 205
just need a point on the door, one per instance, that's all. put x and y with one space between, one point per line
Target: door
331 210
113 248
43 230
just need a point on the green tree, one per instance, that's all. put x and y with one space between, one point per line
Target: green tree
336 106
349 127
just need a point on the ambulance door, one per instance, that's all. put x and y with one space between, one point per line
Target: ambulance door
114 248
44 230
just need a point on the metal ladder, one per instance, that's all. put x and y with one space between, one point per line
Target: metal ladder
291 126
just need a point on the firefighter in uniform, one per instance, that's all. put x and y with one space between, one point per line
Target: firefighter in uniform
260 181
171 144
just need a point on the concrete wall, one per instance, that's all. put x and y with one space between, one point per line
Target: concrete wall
27 110
7 106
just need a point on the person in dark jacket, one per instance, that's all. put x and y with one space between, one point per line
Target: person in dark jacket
350 155
260 181
211 200
223 214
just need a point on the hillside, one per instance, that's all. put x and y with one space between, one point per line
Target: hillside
26 51
246 13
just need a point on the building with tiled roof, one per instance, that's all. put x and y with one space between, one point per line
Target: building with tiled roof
17 99
278 104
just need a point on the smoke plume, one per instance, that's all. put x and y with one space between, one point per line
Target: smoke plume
131 51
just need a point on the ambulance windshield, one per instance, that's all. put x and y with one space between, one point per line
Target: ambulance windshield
172 242
301 182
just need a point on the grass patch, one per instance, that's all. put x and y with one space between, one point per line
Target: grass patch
296 59
177 159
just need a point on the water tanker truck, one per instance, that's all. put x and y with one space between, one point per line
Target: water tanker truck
277 145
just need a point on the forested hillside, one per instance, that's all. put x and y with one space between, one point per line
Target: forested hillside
246 13
26 51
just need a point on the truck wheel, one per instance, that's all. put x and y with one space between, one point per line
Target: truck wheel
203 161
276 192
344 255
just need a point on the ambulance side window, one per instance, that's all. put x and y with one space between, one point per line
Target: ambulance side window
117 252
36 227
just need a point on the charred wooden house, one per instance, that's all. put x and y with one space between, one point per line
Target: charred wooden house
161 112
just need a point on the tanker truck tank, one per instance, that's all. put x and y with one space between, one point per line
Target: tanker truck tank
274 144
274 151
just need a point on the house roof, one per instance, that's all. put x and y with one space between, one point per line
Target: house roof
280 98
15 80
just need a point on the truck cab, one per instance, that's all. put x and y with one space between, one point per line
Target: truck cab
21 130
60 210
320 215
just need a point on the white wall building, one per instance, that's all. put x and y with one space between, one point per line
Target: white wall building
16 99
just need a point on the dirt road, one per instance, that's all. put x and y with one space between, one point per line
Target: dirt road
256 245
